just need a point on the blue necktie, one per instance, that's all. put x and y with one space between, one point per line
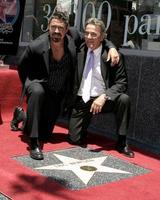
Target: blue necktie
89 64
88 78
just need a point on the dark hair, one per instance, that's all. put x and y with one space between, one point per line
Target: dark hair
60 15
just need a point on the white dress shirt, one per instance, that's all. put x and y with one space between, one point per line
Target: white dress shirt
97 84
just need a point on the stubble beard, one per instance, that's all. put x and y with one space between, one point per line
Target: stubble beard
56 37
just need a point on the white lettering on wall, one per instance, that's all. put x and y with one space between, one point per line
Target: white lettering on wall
47 11
93 12
143 26
99 14
146 24
109 11
158 25
127 29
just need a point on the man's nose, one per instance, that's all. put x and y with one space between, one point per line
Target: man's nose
89 35
56 30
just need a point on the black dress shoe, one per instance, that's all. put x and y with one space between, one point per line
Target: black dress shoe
125 151
36 153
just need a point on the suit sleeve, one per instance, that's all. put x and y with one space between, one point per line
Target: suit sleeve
108 44
76 35
23 64
117 80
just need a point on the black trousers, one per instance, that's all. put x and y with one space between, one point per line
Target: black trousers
81 116
43 109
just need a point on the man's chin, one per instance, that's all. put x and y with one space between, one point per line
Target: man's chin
90 45
56 39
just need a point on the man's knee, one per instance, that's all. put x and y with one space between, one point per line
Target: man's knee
36 89
124 99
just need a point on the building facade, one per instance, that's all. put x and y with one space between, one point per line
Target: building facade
129 23
134 27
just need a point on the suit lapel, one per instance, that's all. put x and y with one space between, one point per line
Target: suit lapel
104 65
46 56
81 63
71 46
45 53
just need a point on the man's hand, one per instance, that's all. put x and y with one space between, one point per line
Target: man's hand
113 55
97 104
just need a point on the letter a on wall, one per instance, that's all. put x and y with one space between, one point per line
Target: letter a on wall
11 15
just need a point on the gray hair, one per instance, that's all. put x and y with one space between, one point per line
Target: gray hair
96 22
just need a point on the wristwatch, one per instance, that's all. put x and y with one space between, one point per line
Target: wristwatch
108 98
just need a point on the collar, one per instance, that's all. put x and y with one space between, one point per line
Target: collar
95 51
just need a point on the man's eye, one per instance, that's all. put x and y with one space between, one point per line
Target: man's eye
90 34
57 27
93 34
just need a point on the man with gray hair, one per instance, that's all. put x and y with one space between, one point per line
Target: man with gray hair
98 88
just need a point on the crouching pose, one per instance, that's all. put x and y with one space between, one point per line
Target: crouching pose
47 70
99 87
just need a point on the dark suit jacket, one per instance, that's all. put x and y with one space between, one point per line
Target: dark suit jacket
34 64
114 77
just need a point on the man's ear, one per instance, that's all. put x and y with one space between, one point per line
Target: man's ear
103 36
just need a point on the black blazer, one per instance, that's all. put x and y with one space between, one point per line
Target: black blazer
33 65
115 77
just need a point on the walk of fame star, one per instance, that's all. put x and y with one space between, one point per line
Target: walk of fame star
76 166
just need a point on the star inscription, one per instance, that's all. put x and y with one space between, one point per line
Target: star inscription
92 165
